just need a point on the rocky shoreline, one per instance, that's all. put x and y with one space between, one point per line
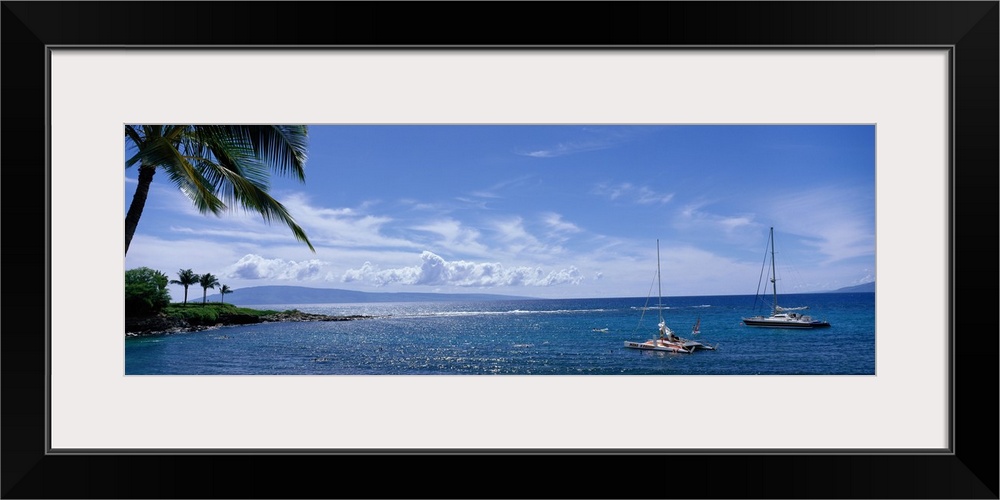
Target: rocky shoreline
163 325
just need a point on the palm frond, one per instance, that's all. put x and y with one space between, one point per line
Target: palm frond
282 147
219 156
231 162
208 280
186 277
184 174
253 198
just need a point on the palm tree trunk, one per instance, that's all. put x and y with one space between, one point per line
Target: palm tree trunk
185 295
138 202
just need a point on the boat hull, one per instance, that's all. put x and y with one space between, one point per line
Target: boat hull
681 345
694 346
650 346
791 324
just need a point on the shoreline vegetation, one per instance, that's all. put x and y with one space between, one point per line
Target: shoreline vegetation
181 318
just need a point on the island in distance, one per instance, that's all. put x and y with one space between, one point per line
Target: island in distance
862 288
255 295
280 294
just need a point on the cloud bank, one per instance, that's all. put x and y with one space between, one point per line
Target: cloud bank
436 271
253 267
627 191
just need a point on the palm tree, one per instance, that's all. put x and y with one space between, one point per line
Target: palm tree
187 278
223 291
207 281
211 161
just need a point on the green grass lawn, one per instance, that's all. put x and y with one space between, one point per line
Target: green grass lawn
210 312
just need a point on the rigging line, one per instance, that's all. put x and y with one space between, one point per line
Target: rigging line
659 286
761 278
646 305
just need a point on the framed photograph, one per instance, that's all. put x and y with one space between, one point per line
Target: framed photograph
909 88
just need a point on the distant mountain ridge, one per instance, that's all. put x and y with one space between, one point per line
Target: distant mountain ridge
278 294
862 288
305 295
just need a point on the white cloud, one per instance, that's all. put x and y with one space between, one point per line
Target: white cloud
837 223
253 267
519 242
435 271
733 223
481 194
642 195
248 235
342 227
371 274
600 138
512 230
692 215
567 148
453 235
646 196
556 223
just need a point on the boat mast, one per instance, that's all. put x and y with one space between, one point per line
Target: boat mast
774 284
659 290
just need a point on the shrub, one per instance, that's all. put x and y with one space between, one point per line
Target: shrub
145 292
200 315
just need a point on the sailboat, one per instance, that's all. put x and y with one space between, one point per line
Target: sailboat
696 329
782 317
666 340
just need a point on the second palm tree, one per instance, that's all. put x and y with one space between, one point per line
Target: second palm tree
207 281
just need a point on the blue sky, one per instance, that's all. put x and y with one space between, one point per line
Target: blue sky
548 211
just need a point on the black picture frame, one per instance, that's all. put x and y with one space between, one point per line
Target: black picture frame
970 29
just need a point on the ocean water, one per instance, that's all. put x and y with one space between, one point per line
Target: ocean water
524 337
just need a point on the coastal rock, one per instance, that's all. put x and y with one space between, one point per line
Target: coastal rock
301 316
163 324
238 319
154 325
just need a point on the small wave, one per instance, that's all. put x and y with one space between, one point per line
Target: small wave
498 313
653 308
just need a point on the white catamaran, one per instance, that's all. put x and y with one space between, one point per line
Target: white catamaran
666 340
782 317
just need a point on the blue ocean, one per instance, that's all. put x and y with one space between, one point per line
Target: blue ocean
524 337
